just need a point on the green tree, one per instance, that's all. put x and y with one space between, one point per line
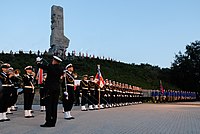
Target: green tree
185 70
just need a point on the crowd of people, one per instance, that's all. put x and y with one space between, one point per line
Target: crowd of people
172 96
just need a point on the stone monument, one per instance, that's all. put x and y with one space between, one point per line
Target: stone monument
58 41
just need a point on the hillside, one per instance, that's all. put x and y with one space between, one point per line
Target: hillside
144 75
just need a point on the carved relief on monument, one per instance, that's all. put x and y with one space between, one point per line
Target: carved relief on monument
58 42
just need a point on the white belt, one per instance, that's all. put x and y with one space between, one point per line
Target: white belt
92 89
102 90
85 88
70 85
115 90
107 89
7 85
28 87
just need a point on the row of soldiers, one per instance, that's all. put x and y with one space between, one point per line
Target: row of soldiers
172 96
112 94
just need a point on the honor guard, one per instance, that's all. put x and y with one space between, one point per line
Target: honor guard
111 93
12 96
28 80
92 102
107 93
5 93
41 84
18 83
114 94
52 89
117 93
102 98
68 91
84 92
77 90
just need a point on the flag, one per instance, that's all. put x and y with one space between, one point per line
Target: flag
40 76
99 78
161 87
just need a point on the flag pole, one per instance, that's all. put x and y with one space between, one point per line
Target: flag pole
98 68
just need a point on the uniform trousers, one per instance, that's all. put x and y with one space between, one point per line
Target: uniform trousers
51 103
5 99
68 103
14 96
42 96
91 98
84 97
28 98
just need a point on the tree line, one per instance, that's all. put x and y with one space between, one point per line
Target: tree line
184 73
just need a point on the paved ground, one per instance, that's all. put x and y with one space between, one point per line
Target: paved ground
180 118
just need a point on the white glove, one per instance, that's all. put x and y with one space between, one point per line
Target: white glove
38 59
66 93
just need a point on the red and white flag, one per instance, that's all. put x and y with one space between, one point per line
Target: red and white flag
161 87
98 78
40 76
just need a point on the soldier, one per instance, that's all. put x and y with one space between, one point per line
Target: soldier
117 93
12 96
107 94
123 95
28 80
5 92
111 93
84 92
52 89
68 91
18 83
102 98
77 92
91 98
114 94
42 93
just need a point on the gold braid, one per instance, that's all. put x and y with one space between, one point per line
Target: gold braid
68 78
84 83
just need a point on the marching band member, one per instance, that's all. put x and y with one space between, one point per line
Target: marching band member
5 93
29 92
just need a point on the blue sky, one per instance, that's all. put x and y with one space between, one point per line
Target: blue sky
131 31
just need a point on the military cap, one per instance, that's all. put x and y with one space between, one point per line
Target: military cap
57 58
85 75
92 76
5 65
28 68
68 66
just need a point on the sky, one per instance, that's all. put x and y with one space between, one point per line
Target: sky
130 31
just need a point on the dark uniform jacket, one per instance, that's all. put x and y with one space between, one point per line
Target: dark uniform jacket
52 83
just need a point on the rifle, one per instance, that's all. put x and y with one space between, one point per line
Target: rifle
66 92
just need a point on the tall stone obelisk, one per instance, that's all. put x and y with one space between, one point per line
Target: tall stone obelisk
58 41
